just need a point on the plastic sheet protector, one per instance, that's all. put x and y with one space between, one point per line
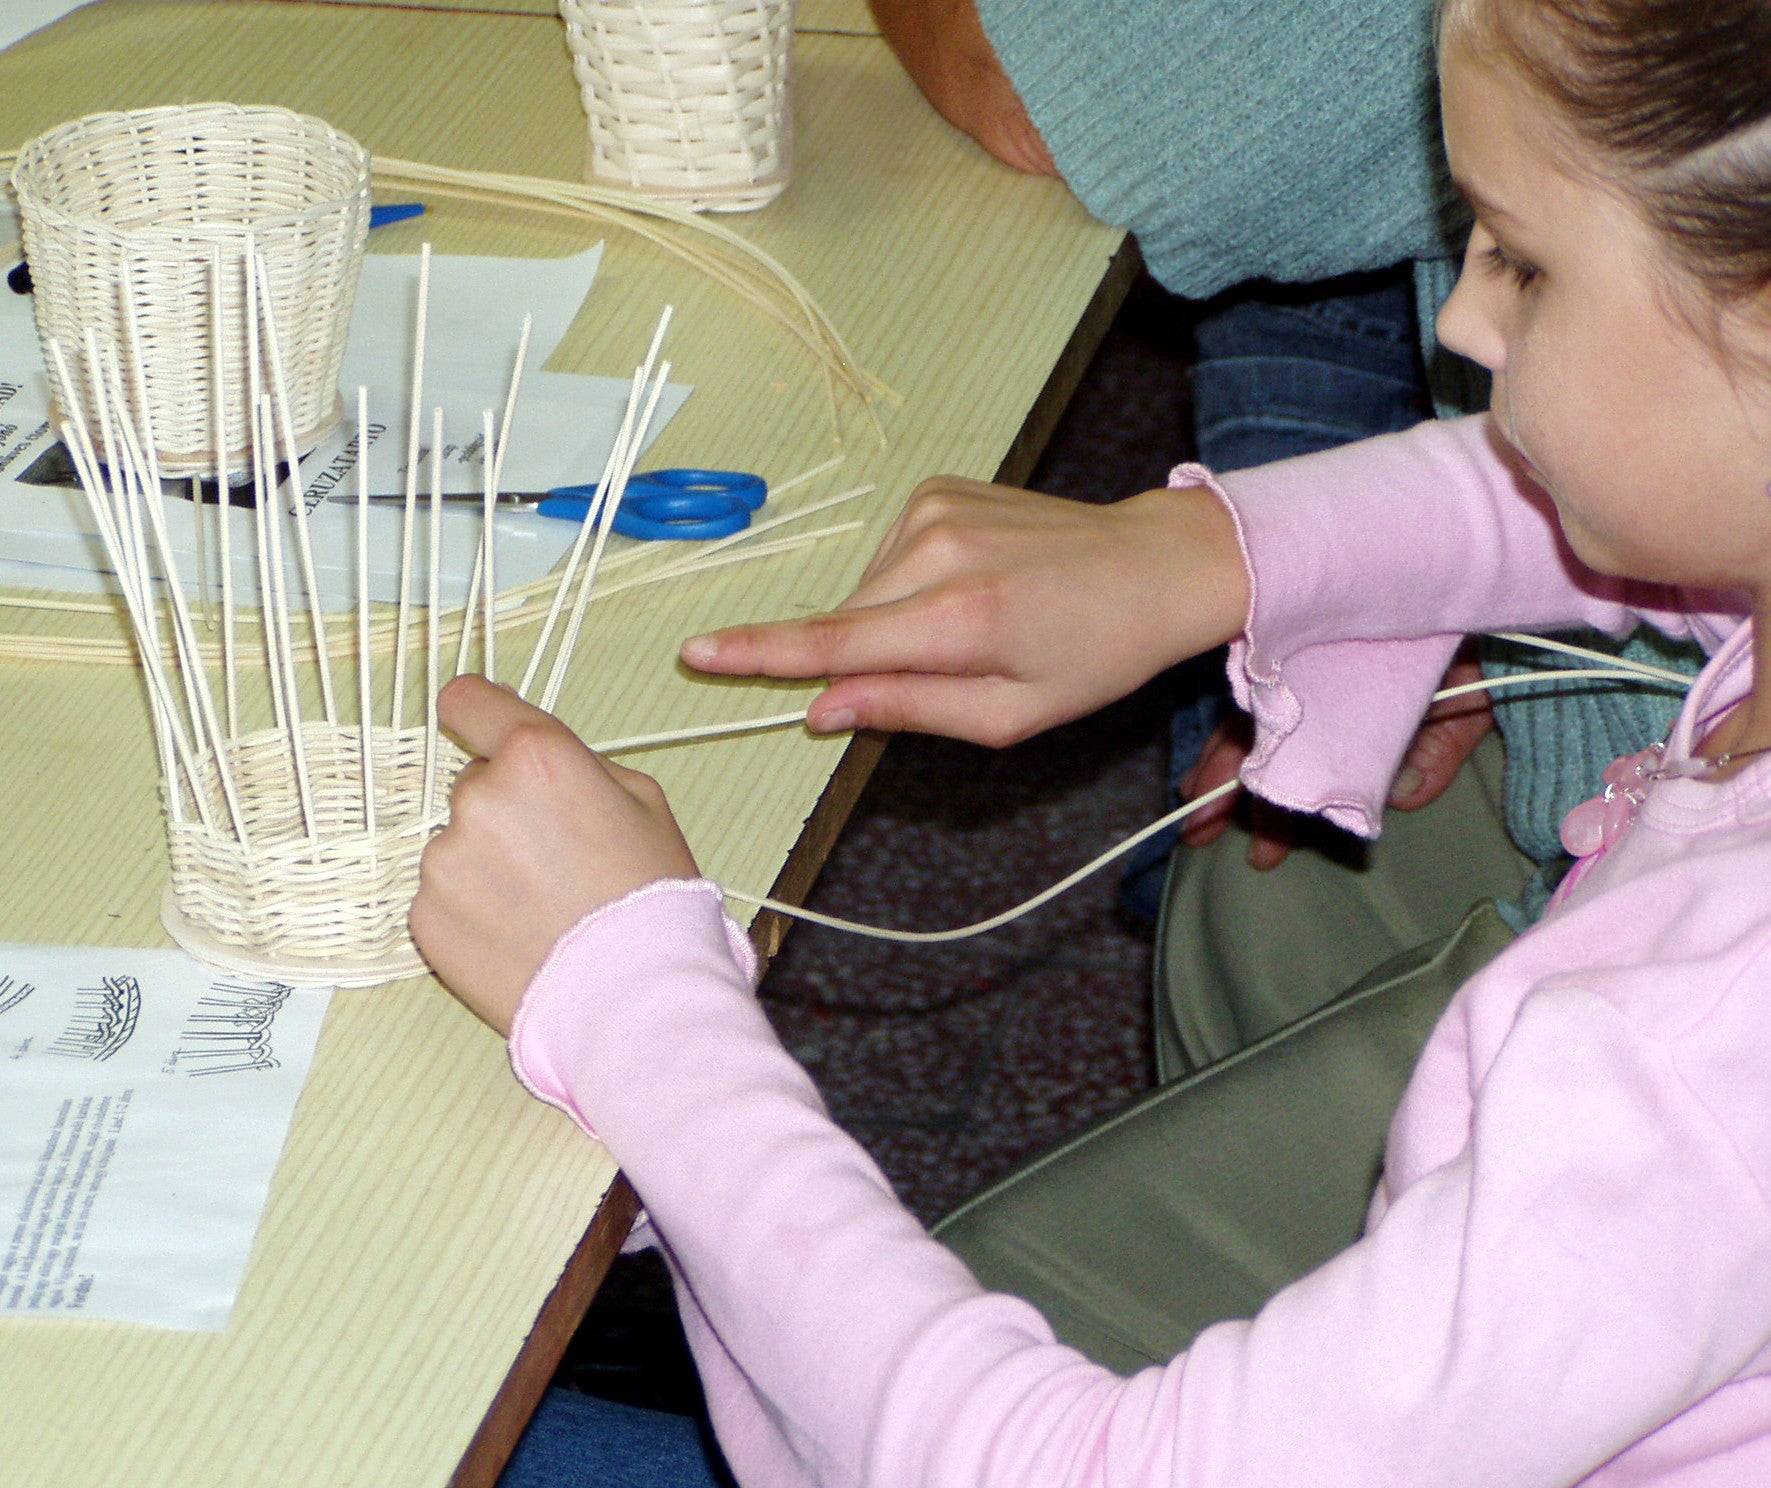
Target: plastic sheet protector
564 426
144 1101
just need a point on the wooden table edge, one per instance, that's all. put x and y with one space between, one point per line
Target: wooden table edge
572 1294
534 1365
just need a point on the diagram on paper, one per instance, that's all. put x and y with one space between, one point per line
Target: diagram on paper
104 1017
230 1031
13 993
144 1102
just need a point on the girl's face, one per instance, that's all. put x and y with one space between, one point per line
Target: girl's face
1653 440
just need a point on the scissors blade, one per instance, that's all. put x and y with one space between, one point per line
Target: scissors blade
505 500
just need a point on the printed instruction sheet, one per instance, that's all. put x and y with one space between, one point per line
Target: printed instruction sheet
564 427
143 1105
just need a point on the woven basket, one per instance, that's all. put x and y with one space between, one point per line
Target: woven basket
326 910
169 192
687 100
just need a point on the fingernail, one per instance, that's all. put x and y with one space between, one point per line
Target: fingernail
1407 784
699 650
838 722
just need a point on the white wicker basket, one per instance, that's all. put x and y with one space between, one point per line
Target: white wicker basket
327 909
687 100
169 192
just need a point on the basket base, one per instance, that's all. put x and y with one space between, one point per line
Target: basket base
737 196
296 971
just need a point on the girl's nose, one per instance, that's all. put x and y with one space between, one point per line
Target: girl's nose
1470 321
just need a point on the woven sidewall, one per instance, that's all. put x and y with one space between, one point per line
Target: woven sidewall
342 893
687 100
168 192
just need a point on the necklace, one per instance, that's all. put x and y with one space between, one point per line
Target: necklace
1596 823
1697 766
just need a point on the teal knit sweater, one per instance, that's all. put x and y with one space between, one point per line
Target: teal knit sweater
1297 140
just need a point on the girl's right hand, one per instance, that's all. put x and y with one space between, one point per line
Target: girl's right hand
541 832
991 613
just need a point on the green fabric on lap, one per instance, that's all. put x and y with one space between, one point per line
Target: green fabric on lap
1241 954
1200 1201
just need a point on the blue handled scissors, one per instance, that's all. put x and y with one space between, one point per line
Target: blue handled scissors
670 505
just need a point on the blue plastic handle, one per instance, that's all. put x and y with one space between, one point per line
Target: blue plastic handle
672 505
392 212
740 485
679 515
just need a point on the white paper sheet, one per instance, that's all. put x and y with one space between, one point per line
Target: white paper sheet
143 1105
564 427
19 18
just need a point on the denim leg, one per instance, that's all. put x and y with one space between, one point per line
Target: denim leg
1283 371
578 1441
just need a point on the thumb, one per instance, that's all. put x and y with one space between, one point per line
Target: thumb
981 710
1438 752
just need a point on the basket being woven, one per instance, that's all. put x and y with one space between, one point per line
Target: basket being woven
687 100
154 199
326 909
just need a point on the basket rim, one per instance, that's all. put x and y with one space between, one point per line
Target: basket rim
34 150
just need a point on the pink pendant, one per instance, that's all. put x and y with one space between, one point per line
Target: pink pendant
1583 829
1594 825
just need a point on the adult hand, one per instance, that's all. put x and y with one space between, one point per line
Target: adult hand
541 832
942 45
1446 739
991 613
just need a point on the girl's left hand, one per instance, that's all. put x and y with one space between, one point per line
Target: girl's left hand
541 832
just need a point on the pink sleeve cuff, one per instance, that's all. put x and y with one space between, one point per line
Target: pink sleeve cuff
1366 699
549 996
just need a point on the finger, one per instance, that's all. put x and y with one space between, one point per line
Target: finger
1465 668
1223 764
916 634
1440 749
1271 843
1219 762
1205 828
1207 824
465 777
902 564
483 715
887 551
993 711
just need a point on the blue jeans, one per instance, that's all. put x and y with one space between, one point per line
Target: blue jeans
578 1441
1289 371
1283 371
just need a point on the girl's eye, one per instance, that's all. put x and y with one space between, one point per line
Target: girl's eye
1499 261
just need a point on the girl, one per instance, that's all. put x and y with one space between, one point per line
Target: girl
1565 1274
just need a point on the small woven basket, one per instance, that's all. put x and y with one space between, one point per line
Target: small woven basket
166 194
687 100
326 909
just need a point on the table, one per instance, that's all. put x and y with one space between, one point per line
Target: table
433 1235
